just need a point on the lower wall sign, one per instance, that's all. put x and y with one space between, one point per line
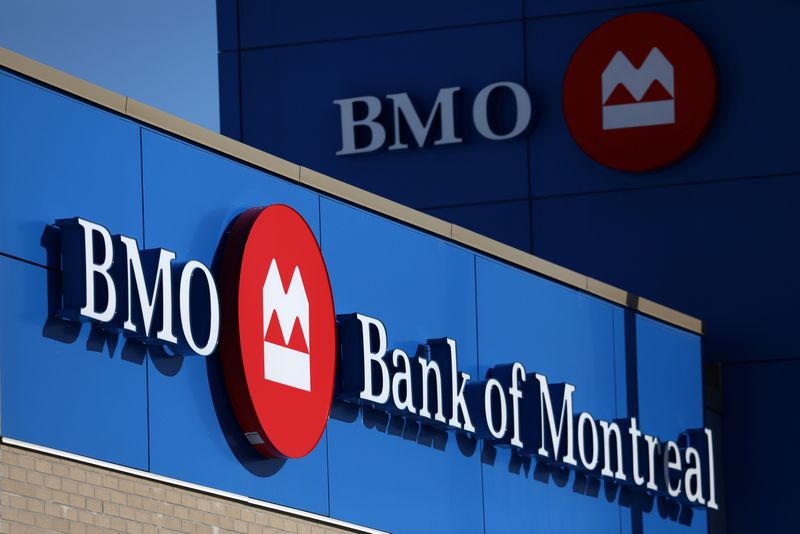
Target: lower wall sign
279 348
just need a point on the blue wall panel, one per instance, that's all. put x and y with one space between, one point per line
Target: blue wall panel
670 398
190 197
88 159
421 288
65 385
96 394
568 337
304 123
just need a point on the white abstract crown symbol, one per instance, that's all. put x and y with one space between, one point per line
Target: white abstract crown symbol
620 71
282 364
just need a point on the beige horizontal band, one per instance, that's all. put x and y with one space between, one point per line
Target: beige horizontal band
322 519
152 117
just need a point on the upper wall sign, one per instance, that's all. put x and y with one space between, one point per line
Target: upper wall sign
367 133
639 92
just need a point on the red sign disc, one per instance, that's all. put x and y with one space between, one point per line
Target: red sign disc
278 339
639 92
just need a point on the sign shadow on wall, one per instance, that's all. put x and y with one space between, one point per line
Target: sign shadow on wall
63 330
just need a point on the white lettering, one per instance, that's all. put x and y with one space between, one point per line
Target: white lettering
480 111
500 430
583 419
185 307
566 415
349 123
147 304
459 404
443 104
430 367
374 355
89 309
402 377
517 376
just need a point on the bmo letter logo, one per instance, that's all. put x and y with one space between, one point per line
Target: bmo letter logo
278 342
639 92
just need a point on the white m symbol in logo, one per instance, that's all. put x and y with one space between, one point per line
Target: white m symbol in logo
282 364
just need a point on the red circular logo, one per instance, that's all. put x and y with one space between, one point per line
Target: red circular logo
639 92
278 339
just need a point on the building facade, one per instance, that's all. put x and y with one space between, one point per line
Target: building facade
532 397
707 229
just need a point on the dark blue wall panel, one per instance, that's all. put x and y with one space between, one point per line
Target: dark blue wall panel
720 251
277 23
750 134
761 401
537 8
287 111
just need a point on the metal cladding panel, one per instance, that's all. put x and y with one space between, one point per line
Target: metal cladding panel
568 337
278 23
304 123
58 160
104 396
420 287
754 87
536 8
678 233
65 385
761 411
506 221
670 382
191 196
670 401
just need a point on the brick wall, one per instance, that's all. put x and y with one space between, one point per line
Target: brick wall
43 493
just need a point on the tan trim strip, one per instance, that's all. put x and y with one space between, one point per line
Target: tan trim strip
191 132
325 520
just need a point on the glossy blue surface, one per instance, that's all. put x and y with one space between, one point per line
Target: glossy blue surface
670 398
62 159
421 288
765 426
568 339
190 415
63 384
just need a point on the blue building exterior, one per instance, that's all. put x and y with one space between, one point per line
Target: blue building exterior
711 234
85 390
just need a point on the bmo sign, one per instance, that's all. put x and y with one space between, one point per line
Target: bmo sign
275 330
360 118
